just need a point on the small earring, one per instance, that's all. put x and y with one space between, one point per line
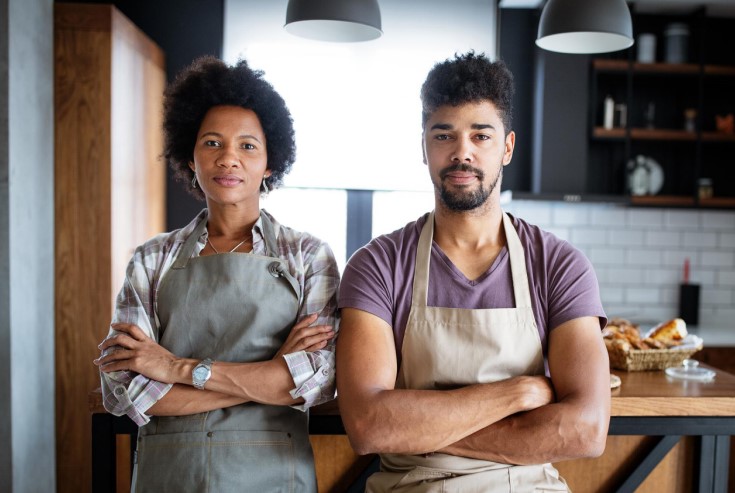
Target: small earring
264 186
194 182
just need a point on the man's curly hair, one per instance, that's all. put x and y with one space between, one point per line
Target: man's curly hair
209 82
469 78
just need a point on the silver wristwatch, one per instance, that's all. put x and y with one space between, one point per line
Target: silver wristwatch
201 373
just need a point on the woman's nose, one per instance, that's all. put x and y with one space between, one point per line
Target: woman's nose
227 158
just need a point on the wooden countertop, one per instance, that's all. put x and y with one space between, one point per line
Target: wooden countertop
653 393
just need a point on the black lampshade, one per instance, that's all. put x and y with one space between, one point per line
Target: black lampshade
585 26
334 20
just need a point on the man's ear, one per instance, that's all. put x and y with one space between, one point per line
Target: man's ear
510 143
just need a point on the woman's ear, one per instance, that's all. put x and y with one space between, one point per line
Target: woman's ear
192 166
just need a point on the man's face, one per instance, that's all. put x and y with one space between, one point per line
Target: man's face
466 148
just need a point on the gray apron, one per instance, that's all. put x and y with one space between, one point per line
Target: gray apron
229 307
453 347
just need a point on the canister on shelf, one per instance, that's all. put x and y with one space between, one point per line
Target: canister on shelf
705 189
646 48
690 120
677 43
609 112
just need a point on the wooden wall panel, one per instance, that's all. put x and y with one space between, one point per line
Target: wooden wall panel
82 168
89 172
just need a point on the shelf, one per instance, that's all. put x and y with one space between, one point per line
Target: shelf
650 134
719 70
717 137
602 65
718 202
662 200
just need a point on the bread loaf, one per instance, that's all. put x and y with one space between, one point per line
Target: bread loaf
671 330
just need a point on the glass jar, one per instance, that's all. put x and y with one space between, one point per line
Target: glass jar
705 189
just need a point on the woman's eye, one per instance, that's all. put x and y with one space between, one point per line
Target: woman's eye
248 146
211 143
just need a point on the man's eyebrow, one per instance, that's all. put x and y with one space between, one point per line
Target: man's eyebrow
442 126
474 126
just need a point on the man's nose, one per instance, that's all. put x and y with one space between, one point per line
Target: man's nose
462 152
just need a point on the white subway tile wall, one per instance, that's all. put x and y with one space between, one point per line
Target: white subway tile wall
639 255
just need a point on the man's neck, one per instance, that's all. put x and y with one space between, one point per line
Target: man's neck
468 230
471 240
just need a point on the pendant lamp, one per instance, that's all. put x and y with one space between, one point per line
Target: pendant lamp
334 20
585 26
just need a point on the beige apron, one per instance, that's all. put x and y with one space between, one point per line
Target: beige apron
451 347
229 307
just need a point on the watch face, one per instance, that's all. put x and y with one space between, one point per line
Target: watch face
200 373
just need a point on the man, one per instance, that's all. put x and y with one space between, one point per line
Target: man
445 345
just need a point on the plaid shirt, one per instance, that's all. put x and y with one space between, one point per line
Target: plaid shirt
310 261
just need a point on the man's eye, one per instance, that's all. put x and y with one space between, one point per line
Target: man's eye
483 137
442 137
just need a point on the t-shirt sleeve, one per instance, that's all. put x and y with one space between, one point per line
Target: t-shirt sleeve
573 288
367 283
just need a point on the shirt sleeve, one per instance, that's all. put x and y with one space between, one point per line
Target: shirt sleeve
313 372
573 288
126 392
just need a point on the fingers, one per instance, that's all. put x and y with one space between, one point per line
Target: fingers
115 356
306 321
131 329
122 340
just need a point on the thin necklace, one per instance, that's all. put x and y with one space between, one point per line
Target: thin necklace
236 246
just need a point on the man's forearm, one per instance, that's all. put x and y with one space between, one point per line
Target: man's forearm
421 421
558 431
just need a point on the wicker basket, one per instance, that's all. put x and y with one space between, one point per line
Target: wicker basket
649 359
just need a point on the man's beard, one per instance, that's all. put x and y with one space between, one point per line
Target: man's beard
465 200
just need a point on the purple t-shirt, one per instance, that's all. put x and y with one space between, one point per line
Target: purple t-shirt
378 279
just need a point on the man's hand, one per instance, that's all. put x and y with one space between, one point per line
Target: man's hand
305 337
131 349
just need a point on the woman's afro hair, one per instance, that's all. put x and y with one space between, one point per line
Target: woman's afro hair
210 82
469 78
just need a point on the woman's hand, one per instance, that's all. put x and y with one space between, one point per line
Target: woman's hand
304 337
131 349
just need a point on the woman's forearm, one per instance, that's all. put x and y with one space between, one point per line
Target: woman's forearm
183 400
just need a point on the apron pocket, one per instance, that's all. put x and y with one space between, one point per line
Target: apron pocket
419 479
218 461
171 463
257 461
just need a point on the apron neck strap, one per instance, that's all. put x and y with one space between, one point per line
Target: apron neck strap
517 256
187 250
517 264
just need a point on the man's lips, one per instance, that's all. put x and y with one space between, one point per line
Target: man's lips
460 177
461 174
228 180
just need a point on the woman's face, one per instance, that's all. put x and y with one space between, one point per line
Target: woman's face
230 157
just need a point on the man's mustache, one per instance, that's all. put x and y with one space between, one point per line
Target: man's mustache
461 167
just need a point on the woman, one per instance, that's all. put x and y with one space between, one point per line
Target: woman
205 349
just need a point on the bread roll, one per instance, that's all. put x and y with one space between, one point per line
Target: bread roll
671 330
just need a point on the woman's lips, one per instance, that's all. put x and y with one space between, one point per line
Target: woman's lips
228 180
